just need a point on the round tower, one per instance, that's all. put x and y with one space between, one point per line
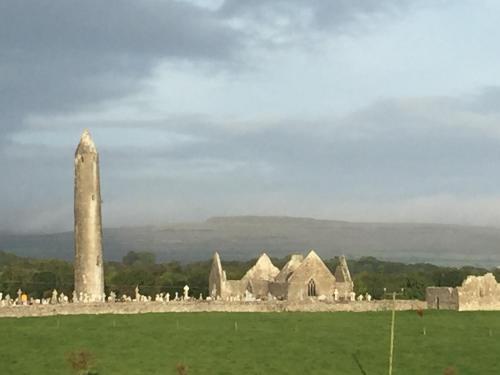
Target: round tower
89 273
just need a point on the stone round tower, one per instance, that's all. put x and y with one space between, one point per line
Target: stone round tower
89 273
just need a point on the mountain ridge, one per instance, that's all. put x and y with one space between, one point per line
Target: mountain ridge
245 237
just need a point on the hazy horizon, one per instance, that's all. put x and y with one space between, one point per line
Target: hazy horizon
363 111
262 218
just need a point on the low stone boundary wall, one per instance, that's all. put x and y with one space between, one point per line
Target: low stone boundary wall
199 306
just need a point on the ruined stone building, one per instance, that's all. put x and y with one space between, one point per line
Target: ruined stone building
89 274
301 278
476 293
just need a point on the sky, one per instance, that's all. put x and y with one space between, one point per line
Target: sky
358 110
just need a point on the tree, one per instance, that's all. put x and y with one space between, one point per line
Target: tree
143 258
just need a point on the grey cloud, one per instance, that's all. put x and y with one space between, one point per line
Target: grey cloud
387 148
64 55
393 147
392 150
122 27
319 15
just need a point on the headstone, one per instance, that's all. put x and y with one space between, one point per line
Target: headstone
368 297
137 294
53 300
176 296
186 292
353 296
112 297
336 294
167 297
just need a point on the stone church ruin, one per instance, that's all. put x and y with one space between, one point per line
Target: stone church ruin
475 293
299 280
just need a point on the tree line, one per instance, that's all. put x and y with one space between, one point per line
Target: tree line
38 277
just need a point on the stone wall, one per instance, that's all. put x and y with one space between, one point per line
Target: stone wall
441 298
479 293
476 293
197 306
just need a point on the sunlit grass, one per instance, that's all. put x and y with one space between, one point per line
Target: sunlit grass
254 343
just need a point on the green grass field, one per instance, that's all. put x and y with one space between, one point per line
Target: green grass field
254 343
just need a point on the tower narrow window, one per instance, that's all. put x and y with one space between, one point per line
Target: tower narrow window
311 288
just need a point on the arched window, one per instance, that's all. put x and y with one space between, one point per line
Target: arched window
311 288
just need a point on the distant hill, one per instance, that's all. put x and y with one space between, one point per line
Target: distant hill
244 237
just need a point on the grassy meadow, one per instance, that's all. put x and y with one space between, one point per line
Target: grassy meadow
254 343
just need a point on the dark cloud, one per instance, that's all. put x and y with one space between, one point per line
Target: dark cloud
63 55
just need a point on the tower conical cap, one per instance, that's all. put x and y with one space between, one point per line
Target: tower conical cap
86 144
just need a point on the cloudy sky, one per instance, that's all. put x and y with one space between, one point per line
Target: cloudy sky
363 110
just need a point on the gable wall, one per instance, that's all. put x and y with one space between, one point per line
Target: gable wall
323 278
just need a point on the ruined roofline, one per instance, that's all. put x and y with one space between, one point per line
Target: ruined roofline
263 268
342 273
312 256
216 261
290 267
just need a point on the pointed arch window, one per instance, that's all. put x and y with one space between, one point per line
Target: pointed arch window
311 288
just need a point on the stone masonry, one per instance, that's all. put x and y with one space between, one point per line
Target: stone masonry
89 274
300 279
475 293
19 311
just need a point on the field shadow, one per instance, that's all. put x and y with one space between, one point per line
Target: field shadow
355 357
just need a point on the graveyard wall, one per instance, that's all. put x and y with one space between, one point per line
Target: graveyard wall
198 306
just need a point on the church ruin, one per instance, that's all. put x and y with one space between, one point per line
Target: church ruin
300 279
89 274
475 293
